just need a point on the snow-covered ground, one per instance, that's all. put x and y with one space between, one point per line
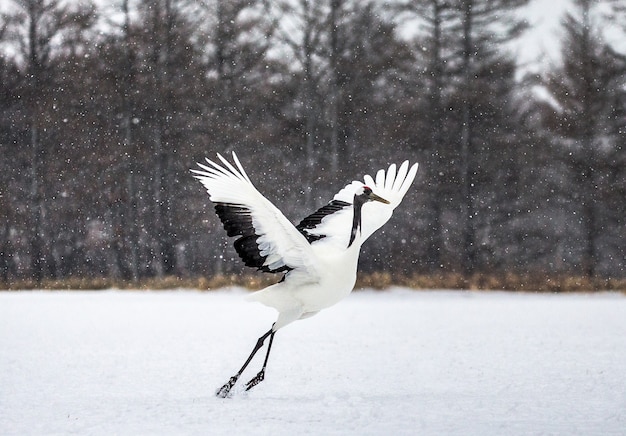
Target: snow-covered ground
380 363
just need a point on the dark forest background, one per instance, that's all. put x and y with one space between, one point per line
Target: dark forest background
104 110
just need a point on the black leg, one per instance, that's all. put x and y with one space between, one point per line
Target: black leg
225 390
261 375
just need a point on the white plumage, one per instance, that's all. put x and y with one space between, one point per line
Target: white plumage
318 257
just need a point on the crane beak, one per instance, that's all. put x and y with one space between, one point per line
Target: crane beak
374 197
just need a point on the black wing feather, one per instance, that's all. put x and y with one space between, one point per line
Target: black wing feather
237 221
315 219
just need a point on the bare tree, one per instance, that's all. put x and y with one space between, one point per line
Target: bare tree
34 25
480 53
589 91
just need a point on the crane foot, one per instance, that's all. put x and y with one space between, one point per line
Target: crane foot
224 391
256 380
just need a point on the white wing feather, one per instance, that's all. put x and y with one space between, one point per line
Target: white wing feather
278 239
390 185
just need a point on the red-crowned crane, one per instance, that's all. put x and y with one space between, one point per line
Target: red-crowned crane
318 257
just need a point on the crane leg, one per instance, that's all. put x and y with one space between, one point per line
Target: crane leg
261 375
225 390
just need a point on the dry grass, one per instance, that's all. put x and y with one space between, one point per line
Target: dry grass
515 282
377 280
163 283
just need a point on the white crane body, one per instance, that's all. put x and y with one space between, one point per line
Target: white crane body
298 297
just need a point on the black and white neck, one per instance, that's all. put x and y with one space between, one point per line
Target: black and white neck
357 207
362 196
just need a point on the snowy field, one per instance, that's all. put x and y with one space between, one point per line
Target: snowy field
397 362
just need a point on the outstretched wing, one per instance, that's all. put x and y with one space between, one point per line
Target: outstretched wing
267 239
331 223
392 185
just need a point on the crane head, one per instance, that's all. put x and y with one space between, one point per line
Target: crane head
365 193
